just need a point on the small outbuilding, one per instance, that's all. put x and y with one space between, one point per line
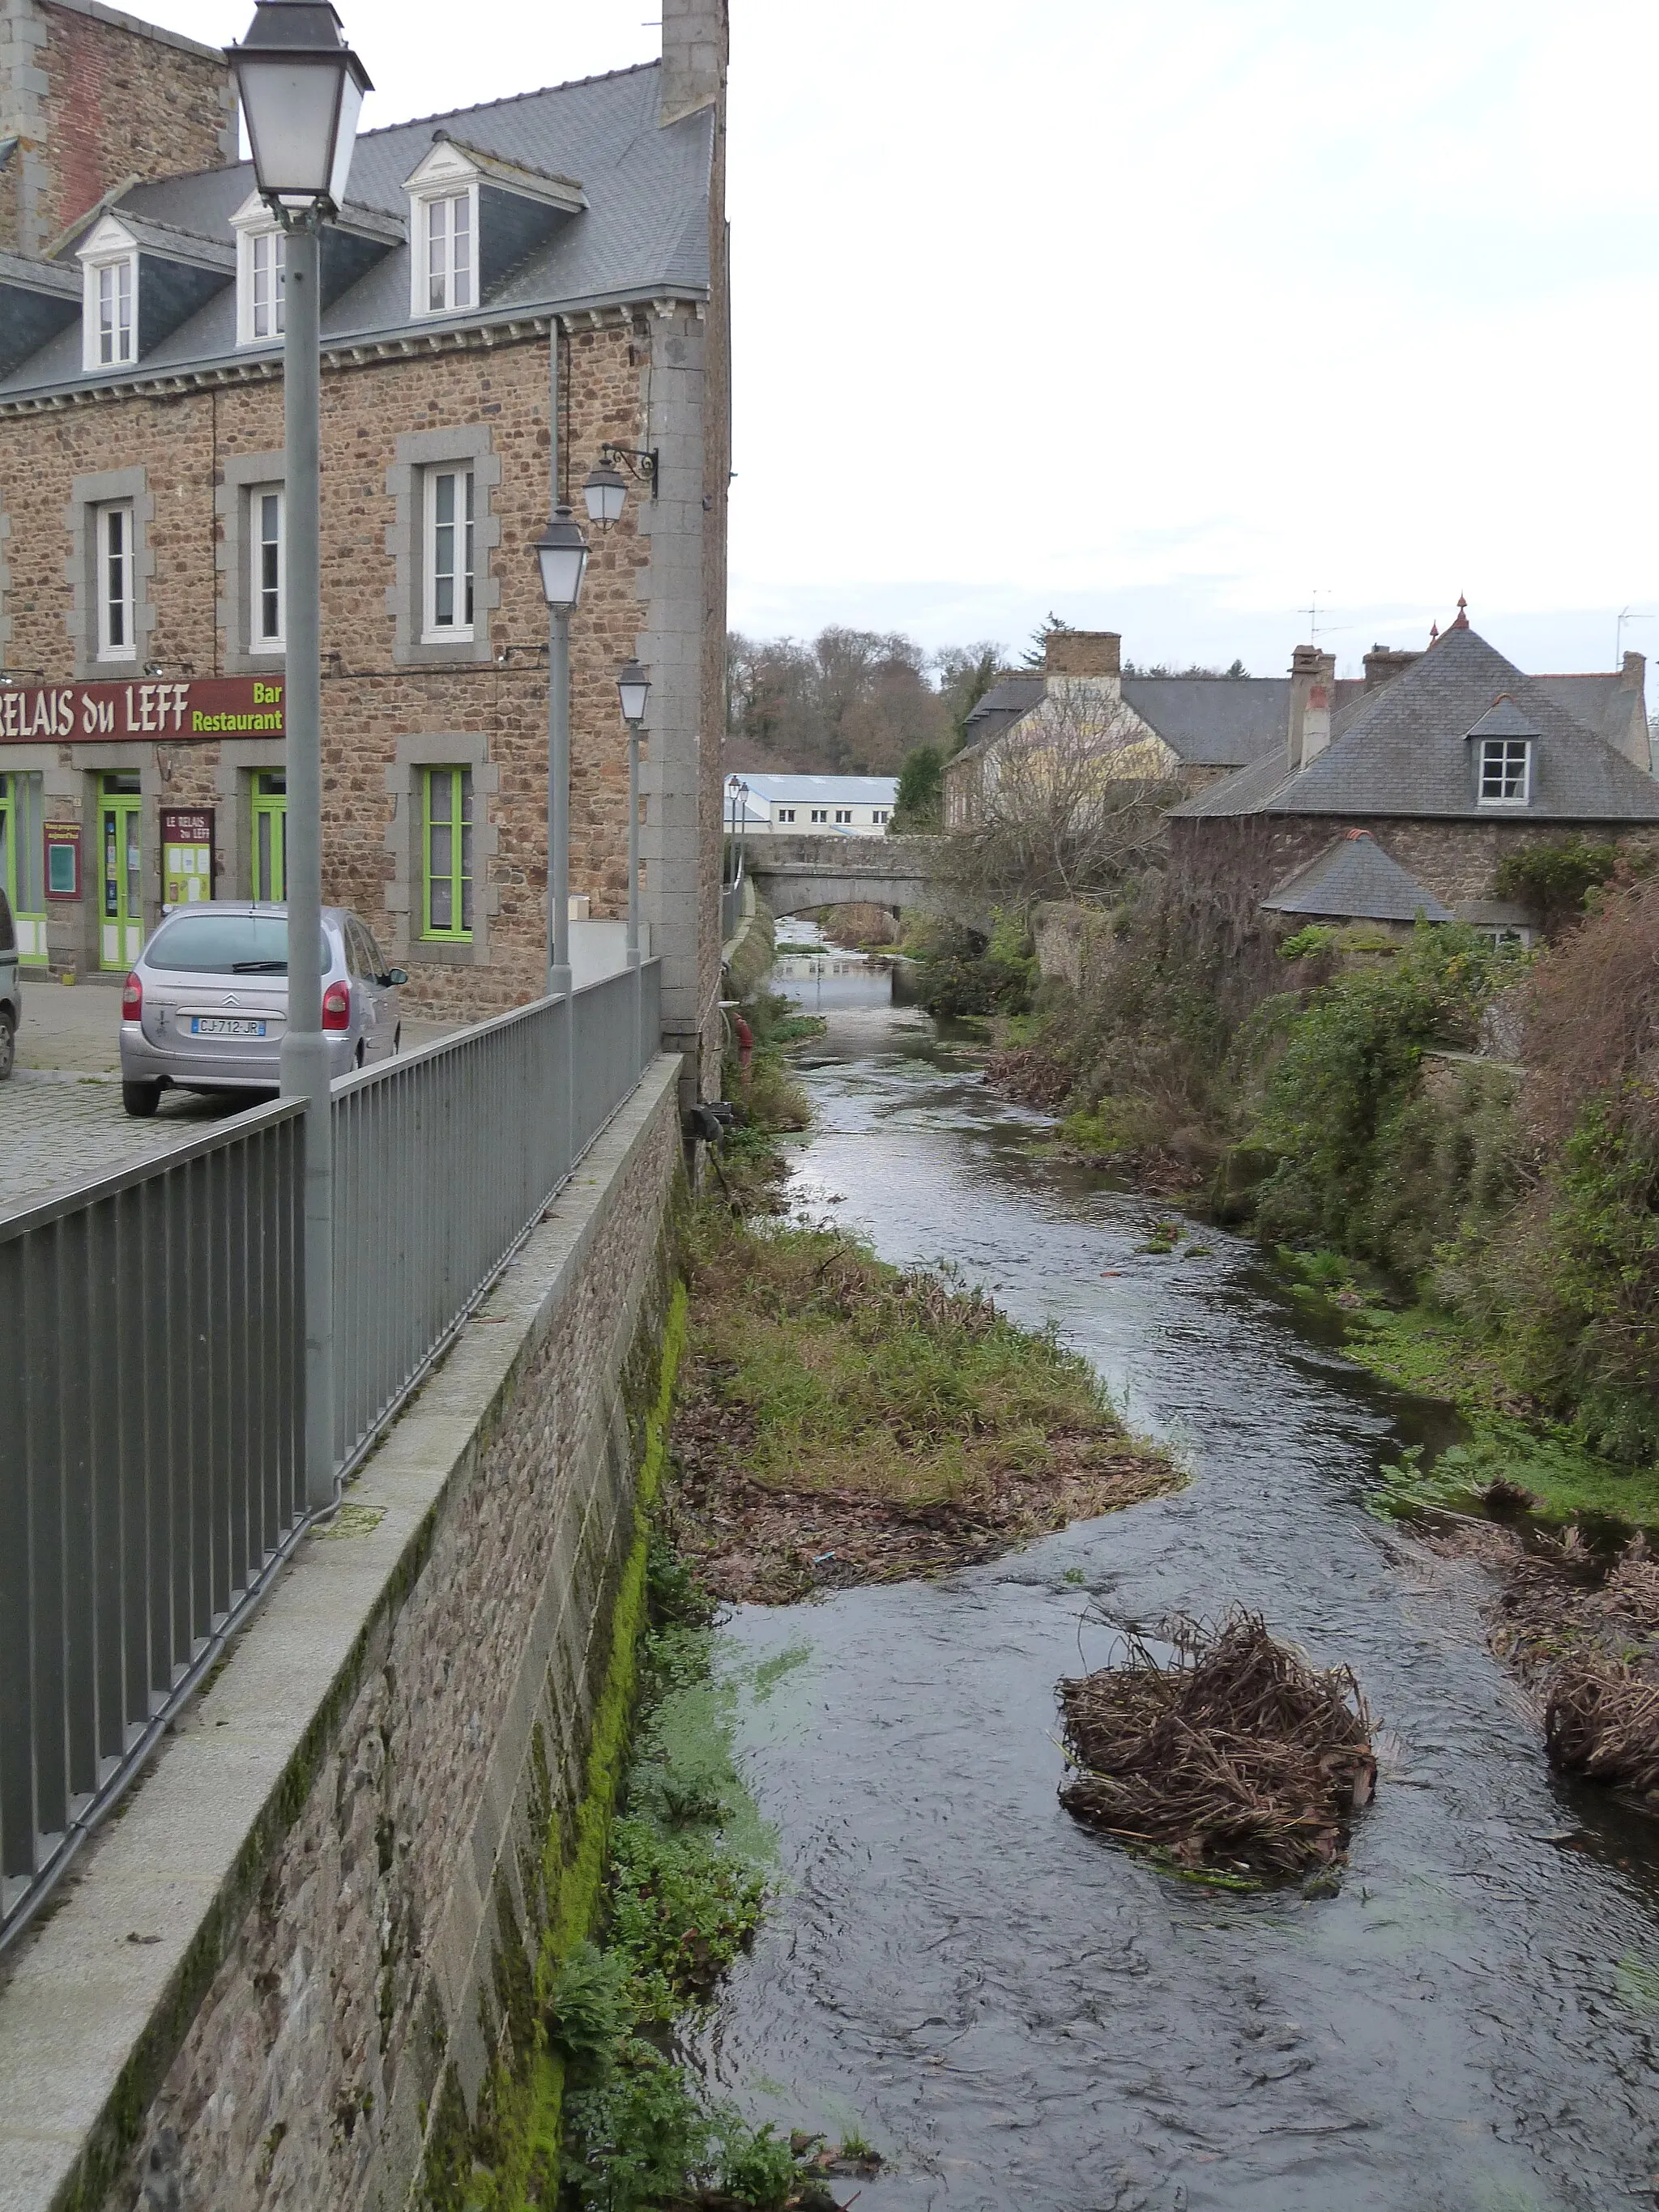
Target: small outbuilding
1354 880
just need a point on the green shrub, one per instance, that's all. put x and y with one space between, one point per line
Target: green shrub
1553 879
1344 1073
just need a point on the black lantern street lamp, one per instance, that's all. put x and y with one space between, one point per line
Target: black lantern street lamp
301 89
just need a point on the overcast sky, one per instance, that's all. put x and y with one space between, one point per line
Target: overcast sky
1165 319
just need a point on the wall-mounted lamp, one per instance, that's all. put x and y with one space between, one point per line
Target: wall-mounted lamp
604 490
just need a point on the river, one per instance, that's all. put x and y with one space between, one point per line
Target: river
1014 2012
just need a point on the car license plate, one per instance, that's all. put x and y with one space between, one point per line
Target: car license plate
223 1025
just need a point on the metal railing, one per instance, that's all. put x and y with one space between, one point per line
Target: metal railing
734 903
152 1431
152 1452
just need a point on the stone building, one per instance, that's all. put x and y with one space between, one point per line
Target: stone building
1410 794
510 287
1185 730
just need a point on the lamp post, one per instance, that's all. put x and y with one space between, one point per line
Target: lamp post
301 89
561 559
634 689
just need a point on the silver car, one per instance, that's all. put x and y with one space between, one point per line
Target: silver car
206 1005
11 991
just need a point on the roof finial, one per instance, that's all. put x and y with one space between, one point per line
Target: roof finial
1434 632
1462 621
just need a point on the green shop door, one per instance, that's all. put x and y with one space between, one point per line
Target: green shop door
122 917
22 858
270 836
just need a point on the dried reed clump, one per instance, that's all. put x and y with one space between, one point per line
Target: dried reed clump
1032 1076
1601 1721
1239 1756
1591 1010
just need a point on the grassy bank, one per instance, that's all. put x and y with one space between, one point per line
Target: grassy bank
843 1421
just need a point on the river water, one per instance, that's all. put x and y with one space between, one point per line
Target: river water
1017 2013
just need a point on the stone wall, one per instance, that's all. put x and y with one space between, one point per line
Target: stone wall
383 717
1221 867
95 97
301 1961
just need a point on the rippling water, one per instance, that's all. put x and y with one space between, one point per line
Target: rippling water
1014 2012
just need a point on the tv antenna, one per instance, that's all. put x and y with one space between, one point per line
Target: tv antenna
1312 613
1625 615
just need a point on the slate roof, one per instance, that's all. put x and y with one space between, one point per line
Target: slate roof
645 231
1008 698
1213 721
1604 703
1403 749
1355 880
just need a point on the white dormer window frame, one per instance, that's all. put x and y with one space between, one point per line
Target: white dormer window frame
449 252
261 269
109 309
1504 772
443 233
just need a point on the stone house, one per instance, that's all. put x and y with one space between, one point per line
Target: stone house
1189 731
1410 794
511 287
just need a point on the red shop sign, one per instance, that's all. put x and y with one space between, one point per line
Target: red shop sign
153 708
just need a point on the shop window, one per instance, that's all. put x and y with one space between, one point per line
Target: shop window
22 869
446 854
448 556
268 581
116 583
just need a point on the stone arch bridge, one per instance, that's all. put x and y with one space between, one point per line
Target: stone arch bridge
794 875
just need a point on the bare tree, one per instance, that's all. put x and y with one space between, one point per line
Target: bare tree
1068 805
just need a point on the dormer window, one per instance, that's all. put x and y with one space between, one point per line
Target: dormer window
267 253
473 218
449 257
1505 771
1503 740
109 264
261 274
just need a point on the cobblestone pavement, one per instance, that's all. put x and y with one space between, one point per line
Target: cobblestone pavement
60 1117
58 1128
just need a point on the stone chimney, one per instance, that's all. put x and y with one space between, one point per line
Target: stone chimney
91 99
1312 693
696 43
1383 661
1082 653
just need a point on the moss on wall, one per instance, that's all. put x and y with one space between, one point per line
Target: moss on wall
506 2157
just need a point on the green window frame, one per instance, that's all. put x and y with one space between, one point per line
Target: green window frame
446 854
22 862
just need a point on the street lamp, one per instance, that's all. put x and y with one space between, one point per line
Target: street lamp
301 89
561 558
634 689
